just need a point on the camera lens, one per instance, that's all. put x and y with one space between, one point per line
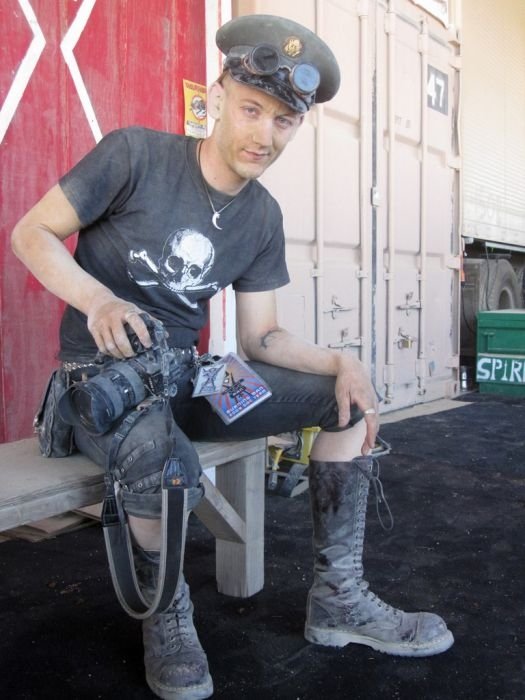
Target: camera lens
96 404
82 401
96 410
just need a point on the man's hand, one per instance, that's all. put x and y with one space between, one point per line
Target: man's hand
107 315
353 386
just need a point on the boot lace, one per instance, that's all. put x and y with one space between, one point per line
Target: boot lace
372 475
373 598
352 608
179 630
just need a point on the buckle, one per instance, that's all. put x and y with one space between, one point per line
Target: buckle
173 474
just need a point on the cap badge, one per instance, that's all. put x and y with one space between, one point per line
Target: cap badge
293 47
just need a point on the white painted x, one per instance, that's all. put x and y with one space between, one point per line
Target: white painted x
30 61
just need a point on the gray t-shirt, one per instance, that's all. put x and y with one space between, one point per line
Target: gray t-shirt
147 234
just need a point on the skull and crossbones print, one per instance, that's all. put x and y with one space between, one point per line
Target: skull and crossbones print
187 258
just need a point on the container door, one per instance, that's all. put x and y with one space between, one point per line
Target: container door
417 214
369 193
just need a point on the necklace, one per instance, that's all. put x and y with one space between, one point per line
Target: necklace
216 212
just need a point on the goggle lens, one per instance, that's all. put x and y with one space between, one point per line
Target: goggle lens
305 78
262 60
265 60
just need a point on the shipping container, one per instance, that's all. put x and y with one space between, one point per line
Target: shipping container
404 197
370 193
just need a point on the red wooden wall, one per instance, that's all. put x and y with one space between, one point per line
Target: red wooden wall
128 58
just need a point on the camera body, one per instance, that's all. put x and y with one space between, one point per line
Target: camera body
95 404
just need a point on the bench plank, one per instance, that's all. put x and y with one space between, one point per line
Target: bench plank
35 487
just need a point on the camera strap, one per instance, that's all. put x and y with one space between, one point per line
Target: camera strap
118 539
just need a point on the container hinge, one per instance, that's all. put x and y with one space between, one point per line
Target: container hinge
454 162
363 8
452 362
390 22
455 62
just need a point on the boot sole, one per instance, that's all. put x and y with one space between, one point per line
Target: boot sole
334 638
196 692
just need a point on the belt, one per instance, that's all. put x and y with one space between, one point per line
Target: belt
185 355
77 371
71 366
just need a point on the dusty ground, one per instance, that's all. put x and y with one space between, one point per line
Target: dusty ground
455 481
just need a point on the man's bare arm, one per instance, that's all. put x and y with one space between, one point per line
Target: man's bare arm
38 240
263 339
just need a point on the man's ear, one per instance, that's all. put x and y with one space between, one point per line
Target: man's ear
215 99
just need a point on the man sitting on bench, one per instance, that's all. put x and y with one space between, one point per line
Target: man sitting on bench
165 221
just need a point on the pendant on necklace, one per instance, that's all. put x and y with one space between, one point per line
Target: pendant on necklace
216 214
214 220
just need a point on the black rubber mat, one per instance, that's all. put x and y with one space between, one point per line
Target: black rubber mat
455 482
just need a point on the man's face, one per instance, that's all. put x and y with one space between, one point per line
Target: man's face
252 129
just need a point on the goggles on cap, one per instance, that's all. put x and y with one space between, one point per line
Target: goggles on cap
265 61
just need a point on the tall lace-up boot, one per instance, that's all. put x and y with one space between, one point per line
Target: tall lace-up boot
175 662
341 609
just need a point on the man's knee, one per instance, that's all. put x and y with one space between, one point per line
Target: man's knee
139 466
142 456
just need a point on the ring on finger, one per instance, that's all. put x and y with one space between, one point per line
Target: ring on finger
370 412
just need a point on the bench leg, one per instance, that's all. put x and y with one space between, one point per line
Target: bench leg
240 566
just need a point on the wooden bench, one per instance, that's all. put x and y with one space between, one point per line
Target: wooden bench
33 487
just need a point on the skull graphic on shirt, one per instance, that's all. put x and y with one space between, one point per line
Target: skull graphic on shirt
187 258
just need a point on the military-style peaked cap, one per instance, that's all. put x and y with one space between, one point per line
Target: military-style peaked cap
280 57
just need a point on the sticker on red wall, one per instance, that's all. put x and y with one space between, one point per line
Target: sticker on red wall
195 111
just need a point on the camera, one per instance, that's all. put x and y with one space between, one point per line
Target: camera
95 404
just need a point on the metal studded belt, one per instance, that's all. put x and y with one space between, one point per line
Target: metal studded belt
182 355
71 366
185 354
